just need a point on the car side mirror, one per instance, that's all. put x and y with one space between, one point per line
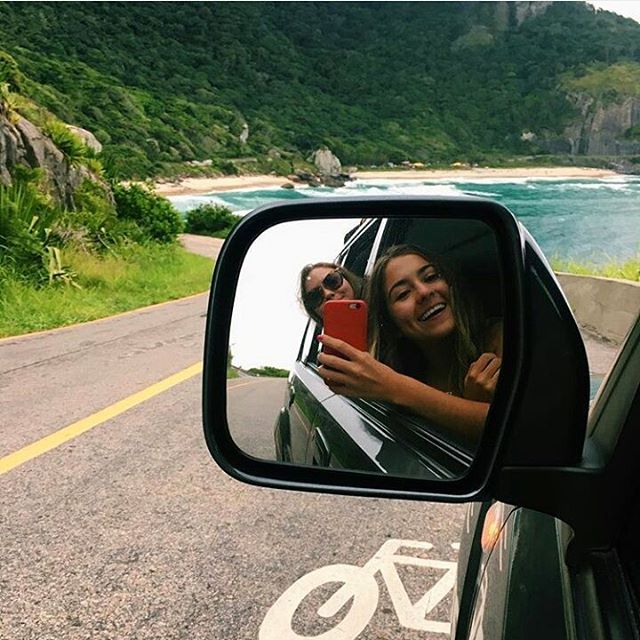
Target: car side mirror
434 386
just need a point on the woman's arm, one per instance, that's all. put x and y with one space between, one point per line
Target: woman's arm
360 375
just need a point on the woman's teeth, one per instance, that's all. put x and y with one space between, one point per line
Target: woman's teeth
429 313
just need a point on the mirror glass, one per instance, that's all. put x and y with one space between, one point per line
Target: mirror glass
373 345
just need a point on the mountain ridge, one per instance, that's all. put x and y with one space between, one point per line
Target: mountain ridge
163 84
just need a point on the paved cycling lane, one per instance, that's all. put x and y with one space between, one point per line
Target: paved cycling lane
131 531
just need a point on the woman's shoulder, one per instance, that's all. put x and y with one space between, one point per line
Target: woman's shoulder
493 336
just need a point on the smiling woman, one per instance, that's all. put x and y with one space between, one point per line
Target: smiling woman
324 281
434 355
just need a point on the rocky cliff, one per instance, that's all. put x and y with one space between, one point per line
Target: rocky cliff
22 143
602 129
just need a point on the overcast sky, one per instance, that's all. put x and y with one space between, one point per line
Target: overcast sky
626 8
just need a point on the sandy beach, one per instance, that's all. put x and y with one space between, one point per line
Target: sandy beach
193 186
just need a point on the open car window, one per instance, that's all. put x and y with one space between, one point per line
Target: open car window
471 249
467 247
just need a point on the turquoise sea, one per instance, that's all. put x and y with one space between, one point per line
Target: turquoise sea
590 220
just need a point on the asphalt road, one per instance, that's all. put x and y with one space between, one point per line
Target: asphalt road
130 530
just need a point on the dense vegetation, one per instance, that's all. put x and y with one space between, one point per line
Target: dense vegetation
36 231
269 372
627 270
135 276
210 220
164 83
114 250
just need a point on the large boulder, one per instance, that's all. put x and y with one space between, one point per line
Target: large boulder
244 134
601 129
22 143
87 137
526 10
325 162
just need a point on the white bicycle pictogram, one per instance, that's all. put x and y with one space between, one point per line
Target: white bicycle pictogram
360 586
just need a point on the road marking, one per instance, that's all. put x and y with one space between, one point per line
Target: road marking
35 449
361 590
244 384
65 434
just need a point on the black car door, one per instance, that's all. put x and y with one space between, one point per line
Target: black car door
530 580
305 393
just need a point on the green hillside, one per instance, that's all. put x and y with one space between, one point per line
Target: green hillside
164 83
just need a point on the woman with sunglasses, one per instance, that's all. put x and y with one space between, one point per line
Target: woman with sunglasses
323 281
433 354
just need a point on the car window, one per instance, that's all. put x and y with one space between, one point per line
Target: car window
471 249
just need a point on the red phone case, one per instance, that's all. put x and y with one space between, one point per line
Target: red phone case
346 320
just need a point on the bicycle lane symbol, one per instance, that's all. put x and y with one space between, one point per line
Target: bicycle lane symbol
361 588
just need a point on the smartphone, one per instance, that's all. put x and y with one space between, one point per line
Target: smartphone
346 320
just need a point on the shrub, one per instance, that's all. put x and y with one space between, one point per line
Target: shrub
94 219
68 142
124 162
270 372
95 166
154 215
211 220
26 220
9 71
227 167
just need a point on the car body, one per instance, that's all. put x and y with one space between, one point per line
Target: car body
549 546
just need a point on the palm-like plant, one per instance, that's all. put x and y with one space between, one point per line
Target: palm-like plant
26 220
74 149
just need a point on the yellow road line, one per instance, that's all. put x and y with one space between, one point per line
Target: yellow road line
31 451
65 434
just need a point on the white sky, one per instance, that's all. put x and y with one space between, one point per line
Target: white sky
268 323
626 8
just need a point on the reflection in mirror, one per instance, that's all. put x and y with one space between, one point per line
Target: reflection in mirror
371 345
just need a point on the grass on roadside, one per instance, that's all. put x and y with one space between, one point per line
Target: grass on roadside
133 277
269 372
627 270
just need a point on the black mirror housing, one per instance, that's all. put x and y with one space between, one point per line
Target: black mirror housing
527 423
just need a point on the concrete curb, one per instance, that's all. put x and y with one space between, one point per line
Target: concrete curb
603 306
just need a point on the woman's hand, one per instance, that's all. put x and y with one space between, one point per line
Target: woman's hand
480 381
357 373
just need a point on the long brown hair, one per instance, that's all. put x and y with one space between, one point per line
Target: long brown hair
388 345
351 278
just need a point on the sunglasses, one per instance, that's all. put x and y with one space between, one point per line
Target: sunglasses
332 281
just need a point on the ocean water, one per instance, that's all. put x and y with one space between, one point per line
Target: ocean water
589 220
